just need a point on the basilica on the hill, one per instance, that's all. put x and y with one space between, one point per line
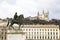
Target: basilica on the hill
42 16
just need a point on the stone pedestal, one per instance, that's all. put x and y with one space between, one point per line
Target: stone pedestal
15 35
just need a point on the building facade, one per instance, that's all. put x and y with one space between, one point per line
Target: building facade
43 16
35 32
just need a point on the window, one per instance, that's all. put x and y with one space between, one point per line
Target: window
5 35
53 33
48 33
53 29
56 33
40 29
48 29
54 37
34 32
29 37
2 37
45 37
29 33
34 37
29 29
40 37
37 32
37 37
56 30
43 33
48 37
26 37
26 29
40 33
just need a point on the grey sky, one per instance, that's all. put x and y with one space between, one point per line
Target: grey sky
29 7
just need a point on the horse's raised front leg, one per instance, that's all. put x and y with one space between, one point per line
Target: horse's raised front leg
12 24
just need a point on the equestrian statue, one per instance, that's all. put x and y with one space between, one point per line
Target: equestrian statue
16 20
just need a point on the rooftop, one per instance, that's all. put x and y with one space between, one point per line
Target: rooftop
41 26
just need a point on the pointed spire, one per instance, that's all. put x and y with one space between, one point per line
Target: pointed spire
38 13
43 11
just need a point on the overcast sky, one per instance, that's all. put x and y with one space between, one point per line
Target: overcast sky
29 7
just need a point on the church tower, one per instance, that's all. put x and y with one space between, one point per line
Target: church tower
38 15
43 16
43 12
46 15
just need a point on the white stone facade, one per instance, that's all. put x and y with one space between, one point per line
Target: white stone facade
51 32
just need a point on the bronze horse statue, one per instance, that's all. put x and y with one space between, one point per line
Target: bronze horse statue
19 21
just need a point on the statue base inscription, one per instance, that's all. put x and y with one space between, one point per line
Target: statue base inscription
15 35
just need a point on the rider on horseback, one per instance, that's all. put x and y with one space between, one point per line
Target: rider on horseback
15 16
17 20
